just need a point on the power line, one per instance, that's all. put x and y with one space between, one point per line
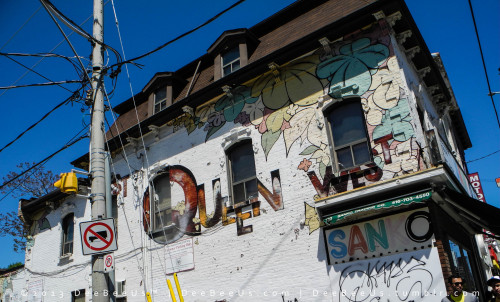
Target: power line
484 63
180 36
44 160
35 72
483 156
67 40
54 48
52 10
75 94
17 31
44 55
42 84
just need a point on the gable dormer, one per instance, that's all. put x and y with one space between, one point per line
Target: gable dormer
231 51
161 90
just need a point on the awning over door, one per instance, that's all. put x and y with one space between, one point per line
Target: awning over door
479 215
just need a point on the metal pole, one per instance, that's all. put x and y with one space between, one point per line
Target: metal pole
97 154
109 214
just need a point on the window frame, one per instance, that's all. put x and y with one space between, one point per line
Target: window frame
232 184
70 217
327 111
158 229
162 102
231 63
81 295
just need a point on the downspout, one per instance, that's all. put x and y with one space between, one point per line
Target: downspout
109 214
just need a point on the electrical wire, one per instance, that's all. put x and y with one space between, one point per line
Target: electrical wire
42 84
42 163
39 61
483 157
44 160
35 72
180 36
52 10
22 26
45 55
75 94
484 63
66 38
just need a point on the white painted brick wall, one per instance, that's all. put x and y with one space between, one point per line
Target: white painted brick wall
278 256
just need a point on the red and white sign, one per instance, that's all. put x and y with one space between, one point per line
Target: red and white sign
109 263
98 236
476 184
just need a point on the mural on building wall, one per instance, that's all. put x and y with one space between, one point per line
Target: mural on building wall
285 103
184 212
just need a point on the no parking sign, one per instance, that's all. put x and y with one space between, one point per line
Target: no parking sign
98 236
109 263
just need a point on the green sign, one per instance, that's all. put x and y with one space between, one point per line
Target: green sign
384 205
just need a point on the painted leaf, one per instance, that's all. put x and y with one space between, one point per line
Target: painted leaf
298 126
373 56
311 218
322 169
293 82
275 96
233 104
350 72
354 74
275 119
212 131
303 88
355 46
309 150
204 112
268 140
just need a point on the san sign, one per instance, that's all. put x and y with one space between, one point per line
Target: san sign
392 234
98 236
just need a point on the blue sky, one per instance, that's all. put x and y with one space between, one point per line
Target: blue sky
445 25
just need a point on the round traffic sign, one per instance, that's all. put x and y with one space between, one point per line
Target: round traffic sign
94 230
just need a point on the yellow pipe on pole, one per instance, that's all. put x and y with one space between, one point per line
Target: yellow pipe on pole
148 296
178 287
171 291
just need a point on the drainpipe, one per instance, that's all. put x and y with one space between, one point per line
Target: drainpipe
109 214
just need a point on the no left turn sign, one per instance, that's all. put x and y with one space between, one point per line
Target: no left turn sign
98 236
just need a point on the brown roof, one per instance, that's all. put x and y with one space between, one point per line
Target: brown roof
289 25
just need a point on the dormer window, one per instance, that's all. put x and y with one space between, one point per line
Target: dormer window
232 51
160 100
230 61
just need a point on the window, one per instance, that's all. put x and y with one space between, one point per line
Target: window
230 61
160 100
242 169
161 205
348 130
461 265
67 236
78 296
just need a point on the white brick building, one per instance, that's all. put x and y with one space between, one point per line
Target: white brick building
317 156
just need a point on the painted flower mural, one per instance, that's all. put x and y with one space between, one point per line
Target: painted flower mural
350 72
282 103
